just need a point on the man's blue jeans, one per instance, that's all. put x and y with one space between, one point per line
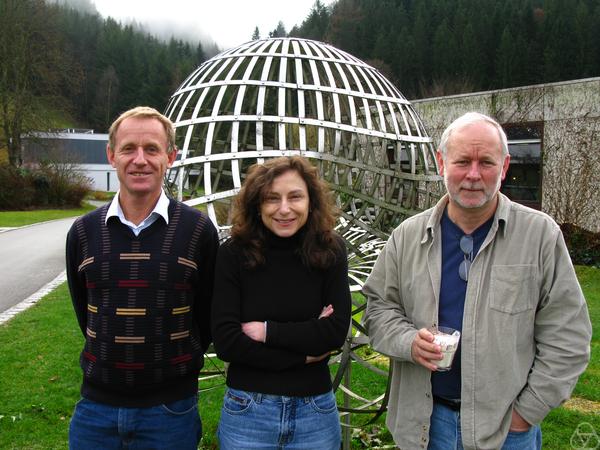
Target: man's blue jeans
173 425
444 433
250 420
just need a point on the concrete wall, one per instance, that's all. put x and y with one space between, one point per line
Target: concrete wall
570 114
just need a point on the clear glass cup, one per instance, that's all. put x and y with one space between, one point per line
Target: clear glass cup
447 338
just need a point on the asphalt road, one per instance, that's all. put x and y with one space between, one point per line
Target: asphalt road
31 257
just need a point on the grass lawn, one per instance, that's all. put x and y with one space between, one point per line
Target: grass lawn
40 378
20 218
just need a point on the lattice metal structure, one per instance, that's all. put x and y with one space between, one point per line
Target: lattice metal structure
289 96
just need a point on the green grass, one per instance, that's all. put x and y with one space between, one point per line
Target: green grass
561 423
20 218
40 379
40 375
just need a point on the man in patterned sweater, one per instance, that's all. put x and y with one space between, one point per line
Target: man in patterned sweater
140 273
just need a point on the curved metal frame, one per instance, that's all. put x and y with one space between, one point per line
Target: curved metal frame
289 96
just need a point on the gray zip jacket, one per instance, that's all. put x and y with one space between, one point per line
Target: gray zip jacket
526 329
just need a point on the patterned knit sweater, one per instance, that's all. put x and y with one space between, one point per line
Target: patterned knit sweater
143 305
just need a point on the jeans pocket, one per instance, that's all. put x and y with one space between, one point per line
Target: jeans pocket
236 401
324 404
524 440
181 407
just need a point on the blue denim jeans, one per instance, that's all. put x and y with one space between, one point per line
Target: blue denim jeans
251 420
444 433
174 425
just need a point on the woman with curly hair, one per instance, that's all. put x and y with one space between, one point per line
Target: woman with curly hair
281 304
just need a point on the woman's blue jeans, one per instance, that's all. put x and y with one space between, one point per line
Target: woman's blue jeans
174 425
444 433
251 420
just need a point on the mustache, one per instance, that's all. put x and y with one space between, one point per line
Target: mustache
473 186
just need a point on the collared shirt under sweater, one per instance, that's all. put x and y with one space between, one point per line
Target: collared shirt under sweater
143 304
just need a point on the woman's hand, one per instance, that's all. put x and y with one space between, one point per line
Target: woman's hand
326 311
255 331
314 359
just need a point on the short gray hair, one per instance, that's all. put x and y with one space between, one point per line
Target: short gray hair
468 119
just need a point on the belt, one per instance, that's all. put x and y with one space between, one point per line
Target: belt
453 404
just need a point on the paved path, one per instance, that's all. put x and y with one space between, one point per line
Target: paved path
30 258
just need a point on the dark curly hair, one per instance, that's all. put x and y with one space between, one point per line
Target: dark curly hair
320 245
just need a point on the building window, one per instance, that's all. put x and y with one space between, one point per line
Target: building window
524 177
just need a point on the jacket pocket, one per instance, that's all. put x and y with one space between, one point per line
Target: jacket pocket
513 288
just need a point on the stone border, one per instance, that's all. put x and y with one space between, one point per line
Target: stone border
33 298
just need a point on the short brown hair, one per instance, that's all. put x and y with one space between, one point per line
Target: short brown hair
148 113
320 246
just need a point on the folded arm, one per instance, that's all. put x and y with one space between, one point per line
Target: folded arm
231 343
326 331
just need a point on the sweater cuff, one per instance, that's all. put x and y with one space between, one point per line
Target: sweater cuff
270 332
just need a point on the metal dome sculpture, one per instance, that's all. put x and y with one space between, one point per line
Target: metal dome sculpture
289 96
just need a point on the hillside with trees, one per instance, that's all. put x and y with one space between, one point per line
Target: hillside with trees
438 47
58 61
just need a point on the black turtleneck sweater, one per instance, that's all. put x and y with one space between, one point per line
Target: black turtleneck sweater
289 296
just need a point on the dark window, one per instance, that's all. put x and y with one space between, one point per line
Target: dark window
523 182
523 179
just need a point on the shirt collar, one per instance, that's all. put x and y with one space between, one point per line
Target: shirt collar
503 211
500 216
161 208
434 218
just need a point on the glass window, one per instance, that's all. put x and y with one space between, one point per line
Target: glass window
523 179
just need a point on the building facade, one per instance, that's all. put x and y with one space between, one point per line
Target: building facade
554 137
85 150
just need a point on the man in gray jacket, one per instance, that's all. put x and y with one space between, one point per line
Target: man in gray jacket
496 271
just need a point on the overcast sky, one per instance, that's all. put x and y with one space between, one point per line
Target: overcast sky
227 22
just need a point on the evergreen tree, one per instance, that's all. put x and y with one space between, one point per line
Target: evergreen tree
583 39
315 25
102 68
405 66
473 58
594 49
422 46
504 56
343 26
444 52
279 31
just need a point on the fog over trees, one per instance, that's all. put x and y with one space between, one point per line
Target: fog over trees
62 56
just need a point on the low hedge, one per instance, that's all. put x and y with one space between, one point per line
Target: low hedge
584 245
45 186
